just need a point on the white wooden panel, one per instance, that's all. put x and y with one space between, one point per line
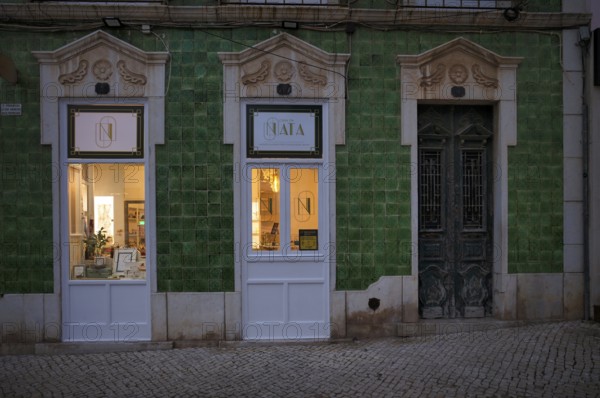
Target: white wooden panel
88 303
129 304
306 302
107 311
267 303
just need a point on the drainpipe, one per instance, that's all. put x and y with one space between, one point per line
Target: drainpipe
584 43
586 212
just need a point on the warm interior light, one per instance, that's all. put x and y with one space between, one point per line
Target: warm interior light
271 176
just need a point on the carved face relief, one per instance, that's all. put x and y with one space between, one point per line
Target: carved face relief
458 74
102 70
284 71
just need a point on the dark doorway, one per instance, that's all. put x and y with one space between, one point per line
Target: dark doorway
455 211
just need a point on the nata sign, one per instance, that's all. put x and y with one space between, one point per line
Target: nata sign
284 131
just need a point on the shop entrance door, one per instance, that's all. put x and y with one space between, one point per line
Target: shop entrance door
455 211
285 271
104 208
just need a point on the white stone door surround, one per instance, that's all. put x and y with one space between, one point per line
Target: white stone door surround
257 75
485 78
69 75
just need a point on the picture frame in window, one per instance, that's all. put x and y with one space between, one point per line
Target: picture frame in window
309 239
79 271
122 258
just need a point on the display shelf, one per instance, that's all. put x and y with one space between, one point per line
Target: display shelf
135 228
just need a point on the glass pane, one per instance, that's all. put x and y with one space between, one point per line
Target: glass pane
430 189
265 208
107 221
304 209
473 189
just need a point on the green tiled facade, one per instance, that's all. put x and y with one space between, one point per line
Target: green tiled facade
195 170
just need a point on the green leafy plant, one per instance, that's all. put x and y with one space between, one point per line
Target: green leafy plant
94 243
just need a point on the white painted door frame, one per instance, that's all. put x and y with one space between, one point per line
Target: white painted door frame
104 309
285 294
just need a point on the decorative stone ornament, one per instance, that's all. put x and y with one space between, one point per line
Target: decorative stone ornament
102 70
482 79
99 58
77 75
458 73
434 78
312 77
258 76
129 76
284 71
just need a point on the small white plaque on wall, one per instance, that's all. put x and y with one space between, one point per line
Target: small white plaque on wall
10 110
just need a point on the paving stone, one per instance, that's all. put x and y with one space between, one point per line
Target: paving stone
539 360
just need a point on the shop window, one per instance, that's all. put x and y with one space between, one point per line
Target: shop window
107 221
284 208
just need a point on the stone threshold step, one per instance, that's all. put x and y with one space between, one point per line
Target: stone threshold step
436 327
99 347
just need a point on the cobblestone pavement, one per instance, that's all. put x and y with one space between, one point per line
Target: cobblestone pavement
541 360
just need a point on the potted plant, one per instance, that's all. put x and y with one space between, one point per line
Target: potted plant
94 243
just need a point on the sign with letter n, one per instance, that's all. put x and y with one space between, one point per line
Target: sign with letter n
105 131
284 131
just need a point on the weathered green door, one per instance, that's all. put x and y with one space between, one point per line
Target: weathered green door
455 211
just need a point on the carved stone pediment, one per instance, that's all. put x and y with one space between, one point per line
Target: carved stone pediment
284 69
285 59
459 69
100 58
101 67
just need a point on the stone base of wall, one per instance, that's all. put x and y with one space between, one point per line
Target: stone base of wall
196 316
386 308
517 297
28 319
375 312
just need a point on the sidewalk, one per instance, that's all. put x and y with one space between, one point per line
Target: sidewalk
559 359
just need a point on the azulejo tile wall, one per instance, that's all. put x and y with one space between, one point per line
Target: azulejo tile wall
195 171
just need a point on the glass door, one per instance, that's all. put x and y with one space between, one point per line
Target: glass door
106 291
285 270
